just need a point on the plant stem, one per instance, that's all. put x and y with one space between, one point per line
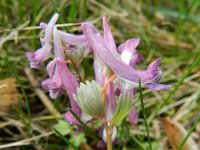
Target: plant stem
76 69
109 130
145 115
107 83
180 146
109 138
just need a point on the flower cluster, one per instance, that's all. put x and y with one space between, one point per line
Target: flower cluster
108 98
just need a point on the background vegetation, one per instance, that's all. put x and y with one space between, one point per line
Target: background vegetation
168 29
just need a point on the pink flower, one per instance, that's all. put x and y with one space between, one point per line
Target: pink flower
43 53
149 77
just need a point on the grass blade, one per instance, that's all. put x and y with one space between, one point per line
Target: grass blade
176 87
21 112
138 142
56 10
23 92
145 115
84 9
73 10
189 133
35 9
87 129
65 139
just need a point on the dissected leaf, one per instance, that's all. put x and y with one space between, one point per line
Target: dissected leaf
62 127
78 139
175 133
88 97
124 106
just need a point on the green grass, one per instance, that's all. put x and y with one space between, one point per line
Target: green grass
189 133
28 122
144 115
65 139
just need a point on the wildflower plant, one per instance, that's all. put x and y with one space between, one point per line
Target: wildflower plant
110 97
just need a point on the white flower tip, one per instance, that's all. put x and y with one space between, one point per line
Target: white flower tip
126 56
54 19
55 16
113 135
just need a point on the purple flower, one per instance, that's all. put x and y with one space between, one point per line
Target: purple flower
60 77
54 84
103 73
43 53
125 71
71 84
68 81
101 69
133 116
108 60
105 55
129 55
77 46
110 102
108 37
38 57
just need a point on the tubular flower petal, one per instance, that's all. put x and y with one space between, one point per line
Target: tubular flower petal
70 118
73 39
129 45
70 83
133 116
128 52
114 63
98 69
110 101
158 87
108 37
101 70
43 53
54 84
49 28
38 57
76 46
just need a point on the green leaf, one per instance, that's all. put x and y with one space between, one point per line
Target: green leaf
65 139
124 106
78 139
89 99
62 127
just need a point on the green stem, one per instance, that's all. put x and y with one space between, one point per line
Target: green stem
108 128
145 115
188 134
109 143
109 137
